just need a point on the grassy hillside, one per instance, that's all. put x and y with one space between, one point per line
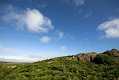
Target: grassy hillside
90 66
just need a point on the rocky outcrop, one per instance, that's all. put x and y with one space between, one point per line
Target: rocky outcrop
113 52
86 57
90 57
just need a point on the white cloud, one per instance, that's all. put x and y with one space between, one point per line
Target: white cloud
19 59
45 39
76 3
16 55
37 22
79 2
31 19
7 50
88 14
64 48
110 28
61 35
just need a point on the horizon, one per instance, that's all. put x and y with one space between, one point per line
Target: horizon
41 29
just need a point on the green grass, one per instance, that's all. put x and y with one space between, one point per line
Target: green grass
59 69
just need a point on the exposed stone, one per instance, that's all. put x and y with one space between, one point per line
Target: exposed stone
86 57
113 52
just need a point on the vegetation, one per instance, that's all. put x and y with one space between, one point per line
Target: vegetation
102 67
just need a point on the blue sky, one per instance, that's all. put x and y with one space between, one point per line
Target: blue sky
49 28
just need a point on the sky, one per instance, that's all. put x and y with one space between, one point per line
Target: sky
33 30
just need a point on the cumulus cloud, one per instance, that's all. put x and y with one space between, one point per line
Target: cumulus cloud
110 28
31 19
37 22
45 39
